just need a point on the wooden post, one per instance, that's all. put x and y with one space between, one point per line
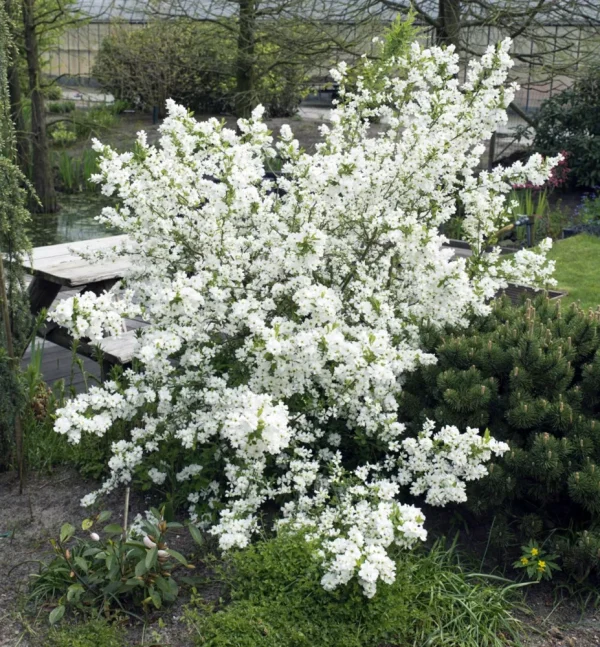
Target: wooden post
14 367
492 152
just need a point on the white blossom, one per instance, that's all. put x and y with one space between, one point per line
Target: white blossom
283 322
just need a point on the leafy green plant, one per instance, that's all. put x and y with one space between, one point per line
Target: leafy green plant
61 107
108 567
53 92
194 64
536 562
278 601
61 135
570 121
587 214
93 122
92 633
74 173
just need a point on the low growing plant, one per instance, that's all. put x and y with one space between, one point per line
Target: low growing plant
277 601
61 107
109 568
536 562
586 218
91 633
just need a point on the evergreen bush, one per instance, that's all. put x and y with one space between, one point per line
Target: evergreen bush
531 375
570 121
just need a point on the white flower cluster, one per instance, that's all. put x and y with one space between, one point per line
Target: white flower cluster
285 313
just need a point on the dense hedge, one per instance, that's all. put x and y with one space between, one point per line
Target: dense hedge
570 121
194 64
531 375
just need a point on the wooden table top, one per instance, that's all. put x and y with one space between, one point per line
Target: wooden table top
61 263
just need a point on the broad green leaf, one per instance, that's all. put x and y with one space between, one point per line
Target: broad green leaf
66 532
113 529
91 552
57 614
178 556
105 515
112 587
156 599
74 591
82 563
167 511
151 557
86 524
140 568
196 535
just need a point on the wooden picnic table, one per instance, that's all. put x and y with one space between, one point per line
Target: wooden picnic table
60 266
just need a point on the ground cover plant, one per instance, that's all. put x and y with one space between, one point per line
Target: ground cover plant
530 376
276 601
283 322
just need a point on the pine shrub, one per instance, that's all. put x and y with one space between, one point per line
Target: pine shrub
531 375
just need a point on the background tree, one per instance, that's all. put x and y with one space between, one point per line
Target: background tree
558 35
35 25
14 307
310 36
41 168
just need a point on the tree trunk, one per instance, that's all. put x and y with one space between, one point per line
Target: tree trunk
16 105
448 29
16 113
42 178
245 72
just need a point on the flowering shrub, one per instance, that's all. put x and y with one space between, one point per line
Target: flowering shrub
285 313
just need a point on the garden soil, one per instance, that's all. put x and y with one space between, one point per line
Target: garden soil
49 500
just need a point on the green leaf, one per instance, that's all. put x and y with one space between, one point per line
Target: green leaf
82 563
178 556
57 614
156 599
74 591
196 535
105 515
86 524
66 532
140 568
91 552
151 557
112 587
167 511
113 529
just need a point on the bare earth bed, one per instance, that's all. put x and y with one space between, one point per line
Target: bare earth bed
49 500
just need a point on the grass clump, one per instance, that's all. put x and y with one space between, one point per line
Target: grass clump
577 268
94 633
277 601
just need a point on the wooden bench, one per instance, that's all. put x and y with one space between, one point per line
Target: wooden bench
59 267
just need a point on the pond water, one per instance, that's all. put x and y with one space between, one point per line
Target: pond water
75 221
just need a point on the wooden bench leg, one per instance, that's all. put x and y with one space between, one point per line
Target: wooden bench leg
42 294
100 287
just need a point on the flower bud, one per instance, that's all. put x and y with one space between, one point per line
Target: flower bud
148 542
94 536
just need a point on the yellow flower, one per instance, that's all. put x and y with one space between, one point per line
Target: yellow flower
541 565
535 551
524 561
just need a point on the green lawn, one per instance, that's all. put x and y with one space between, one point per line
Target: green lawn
578 268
